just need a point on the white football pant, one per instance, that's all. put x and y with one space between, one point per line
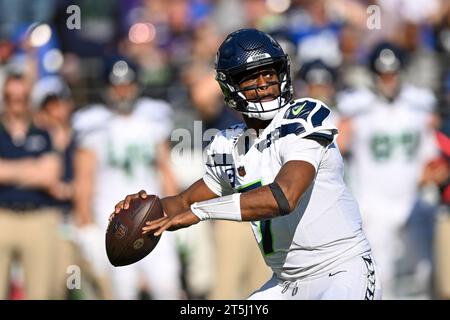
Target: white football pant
356 279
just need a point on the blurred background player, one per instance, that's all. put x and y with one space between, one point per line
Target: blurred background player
388 133
29 169
318 80
128 149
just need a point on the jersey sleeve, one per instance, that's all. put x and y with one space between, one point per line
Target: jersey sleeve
306 131
294 148
429 149
420 99
91 140
352 102
159 112
216 177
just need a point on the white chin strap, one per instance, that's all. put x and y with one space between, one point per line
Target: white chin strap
264 110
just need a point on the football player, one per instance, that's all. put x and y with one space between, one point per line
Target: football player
281 171
387 133
127 148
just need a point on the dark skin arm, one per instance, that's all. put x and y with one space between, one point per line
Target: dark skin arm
294 179
177 204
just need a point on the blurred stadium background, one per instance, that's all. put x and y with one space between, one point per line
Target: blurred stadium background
59 67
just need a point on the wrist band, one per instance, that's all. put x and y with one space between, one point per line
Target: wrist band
223 208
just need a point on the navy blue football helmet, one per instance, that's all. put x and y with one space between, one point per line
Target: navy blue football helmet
242 52
386 58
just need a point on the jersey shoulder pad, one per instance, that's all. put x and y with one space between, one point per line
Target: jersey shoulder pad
90 118
310 112
154 110
300 109
419 99
308 118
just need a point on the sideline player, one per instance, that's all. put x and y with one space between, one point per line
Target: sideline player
127 150
387 133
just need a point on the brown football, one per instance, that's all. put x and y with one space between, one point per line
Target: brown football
125 243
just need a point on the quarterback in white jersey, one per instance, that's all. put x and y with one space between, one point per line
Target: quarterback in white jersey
283 172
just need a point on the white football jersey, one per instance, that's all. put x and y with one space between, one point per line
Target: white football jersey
324 229
391 142
125 148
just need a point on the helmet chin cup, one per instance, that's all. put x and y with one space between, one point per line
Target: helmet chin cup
262 116
264 110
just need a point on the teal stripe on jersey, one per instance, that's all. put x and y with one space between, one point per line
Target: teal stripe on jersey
250 186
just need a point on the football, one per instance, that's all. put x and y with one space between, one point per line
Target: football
125 243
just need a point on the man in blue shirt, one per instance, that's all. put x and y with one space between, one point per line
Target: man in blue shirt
28 168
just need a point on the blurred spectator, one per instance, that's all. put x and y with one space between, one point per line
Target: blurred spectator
441 176
315 31
228 15
83 49
207 99
29 169
417 12
54 106
6 51
127 150
441 257
156 73
352 71
14 14
388 134
98 31
418 43
317 80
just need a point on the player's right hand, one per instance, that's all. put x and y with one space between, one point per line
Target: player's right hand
125 204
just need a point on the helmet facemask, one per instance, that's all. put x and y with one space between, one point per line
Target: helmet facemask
257 107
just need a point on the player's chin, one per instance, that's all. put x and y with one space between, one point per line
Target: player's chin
268 98
262 99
